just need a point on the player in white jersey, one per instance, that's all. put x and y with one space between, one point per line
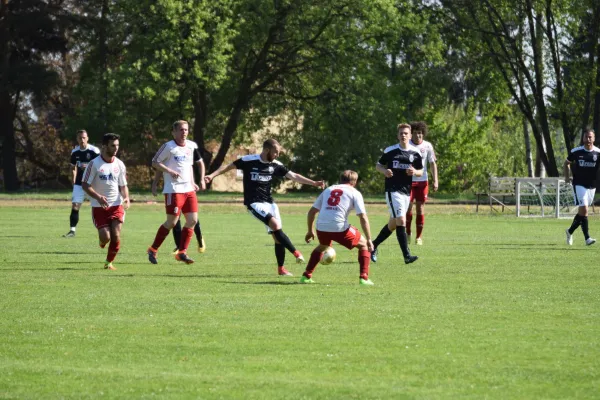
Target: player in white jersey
105 181
81 156
175 159
420 184
583 163
333 206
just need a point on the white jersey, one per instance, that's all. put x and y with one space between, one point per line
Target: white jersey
428 156
334 205
180 159
105 178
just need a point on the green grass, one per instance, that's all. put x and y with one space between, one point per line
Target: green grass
496 307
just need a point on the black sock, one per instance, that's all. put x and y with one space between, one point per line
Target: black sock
177 233
284 240
383 234
198 233
402 240
74 218
575 224
280 254
584 227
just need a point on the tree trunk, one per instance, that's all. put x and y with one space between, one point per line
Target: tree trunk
528 155
200 102
7 138
596 125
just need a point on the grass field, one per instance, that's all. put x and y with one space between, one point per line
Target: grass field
496 307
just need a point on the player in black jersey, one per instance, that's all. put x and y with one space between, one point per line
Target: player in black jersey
583 163
399 163
81 156
259 170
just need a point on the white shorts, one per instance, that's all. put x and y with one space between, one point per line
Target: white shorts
583 196
397 204
262 211
78 194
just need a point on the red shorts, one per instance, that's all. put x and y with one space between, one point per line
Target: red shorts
103 217
348 238
177 203
419 191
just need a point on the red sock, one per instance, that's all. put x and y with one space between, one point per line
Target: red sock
160 237
315 257
420 223
113 249
364 260
186 237
408 222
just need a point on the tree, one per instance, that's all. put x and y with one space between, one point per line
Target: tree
29 31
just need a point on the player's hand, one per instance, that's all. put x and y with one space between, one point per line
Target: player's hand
202 185
388 173
435 186
196 187
320 184
309 236
410 171
103 202
174 174
126 203
208 179
370 245
154 189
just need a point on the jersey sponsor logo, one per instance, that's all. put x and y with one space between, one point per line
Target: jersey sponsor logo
255 176
106 177
583 163
180 158
271 170
595 157
411 158
399 165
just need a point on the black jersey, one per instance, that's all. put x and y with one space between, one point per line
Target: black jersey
80 158
584 166
258 175
399 160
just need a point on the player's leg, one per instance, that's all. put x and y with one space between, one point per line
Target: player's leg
276 227
199 238
579 199
588 198
315 258
363 261
190 211
420 206
399 204
115 242
409 215
76 200
173 210
177 234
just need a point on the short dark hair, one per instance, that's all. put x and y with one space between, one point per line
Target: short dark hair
109 137
419 126
271 144
348 176
81 131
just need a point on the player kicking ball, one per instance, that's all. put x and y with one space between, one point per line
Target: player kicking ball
104 180
333 207
583 164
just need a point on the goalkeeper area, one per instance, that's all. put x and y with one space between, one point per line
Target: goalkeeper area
544 197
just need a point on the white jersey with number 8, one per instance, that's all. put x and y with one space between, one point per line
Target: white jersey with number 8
334 205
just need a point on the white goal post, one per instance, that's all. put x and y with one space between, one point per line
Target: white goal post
544 197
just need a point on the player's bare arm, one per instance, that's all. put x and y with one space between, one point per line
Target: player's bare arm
162 167
387 172
157 175
74 172
221 170
411 171
124 190
310 220
92 193
304 180
434 173
364 224
567 171
202 171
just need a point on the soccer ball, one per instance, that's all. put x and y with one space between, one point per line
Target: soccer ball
328 256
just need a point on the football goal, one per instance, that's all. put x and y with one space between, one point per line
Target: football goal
544 197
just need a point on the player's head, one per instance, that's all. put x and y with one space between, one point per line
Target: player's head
404 133
350 177
82 138
181 129
588 138
110 144
418 130
271 149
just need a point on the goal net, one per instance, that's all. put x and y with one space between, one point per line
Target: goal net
544 197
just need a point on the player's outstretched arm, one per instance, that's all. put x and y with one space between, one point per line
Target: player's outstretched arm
304 180
310 221
221 170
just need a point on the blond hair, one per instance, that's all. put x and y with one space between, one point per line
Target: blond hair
349 176
404 125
